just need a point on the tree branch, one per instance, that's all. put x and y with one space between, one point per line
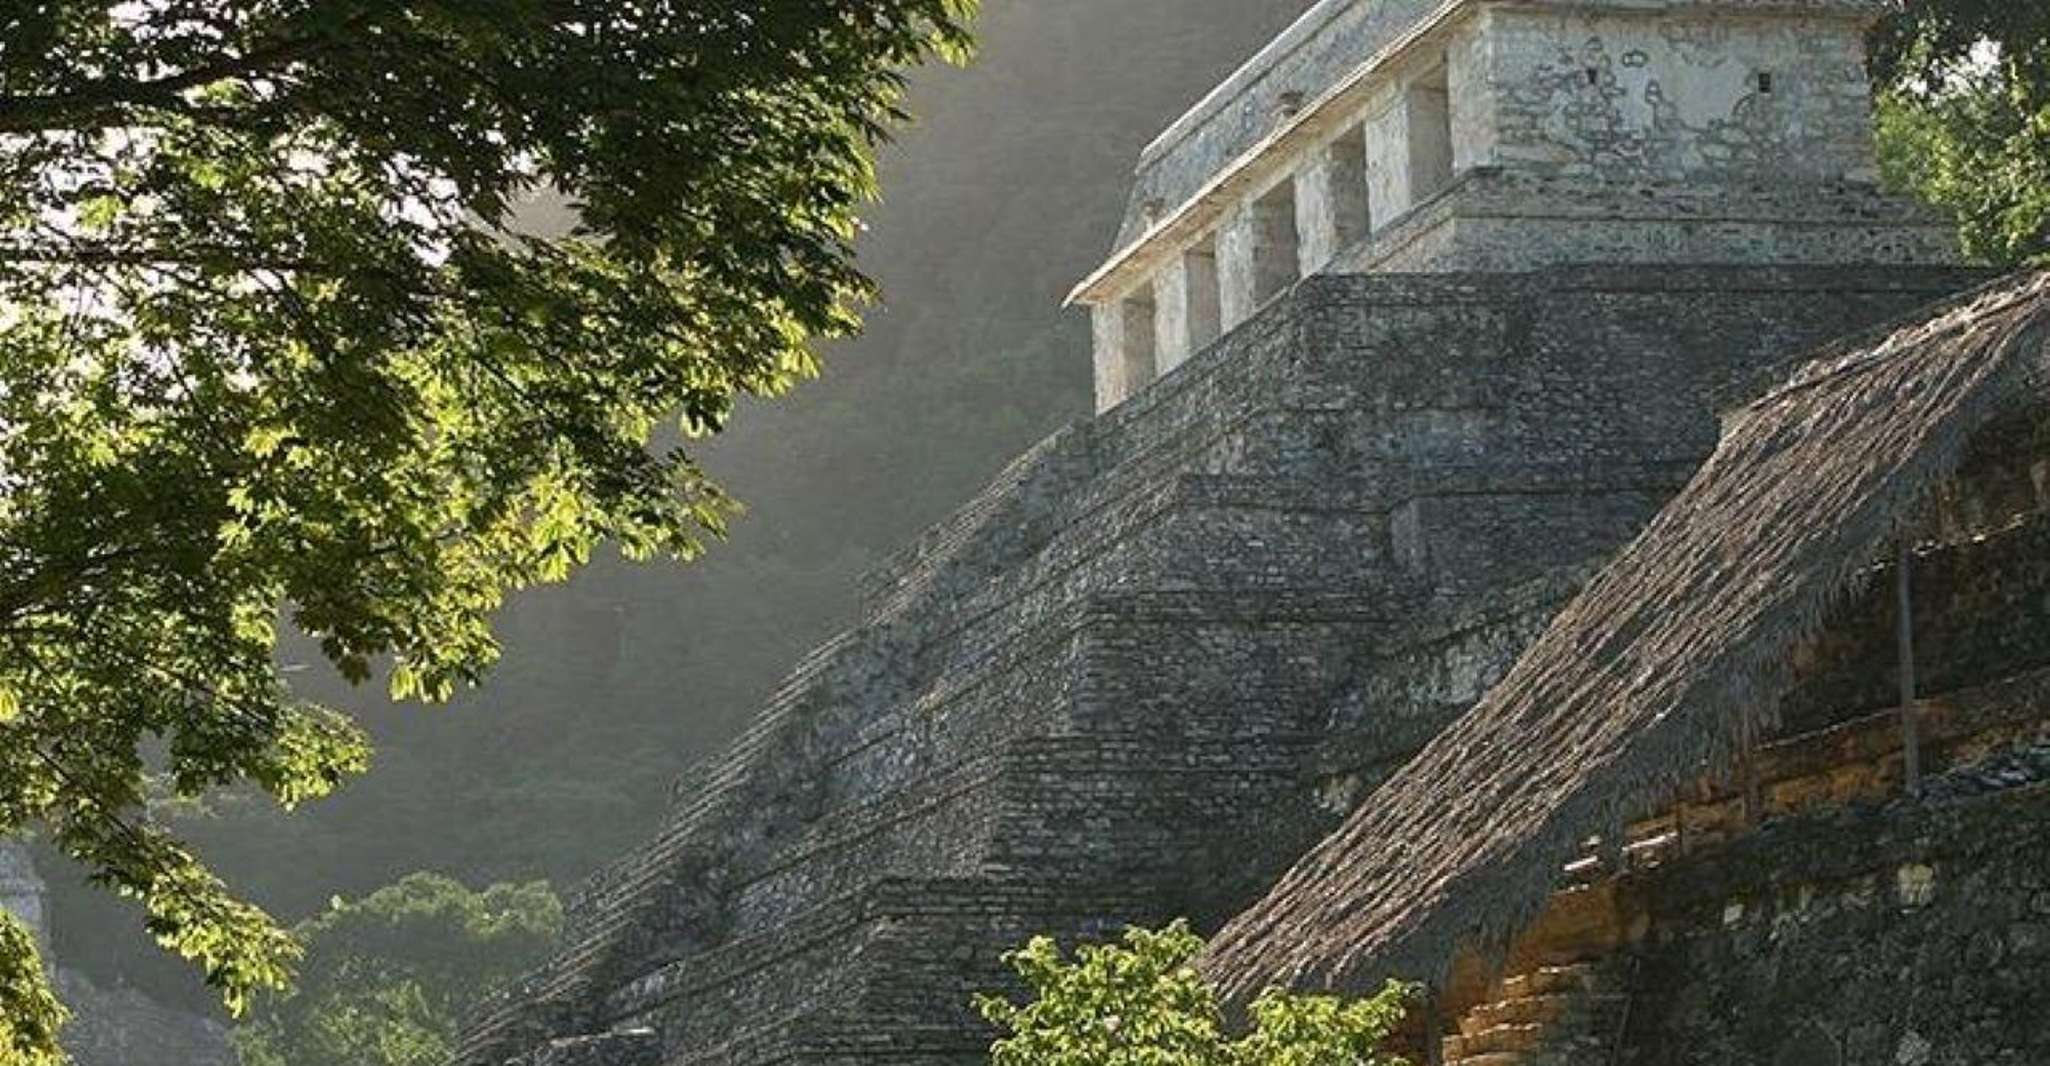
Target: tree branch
113 101
192 255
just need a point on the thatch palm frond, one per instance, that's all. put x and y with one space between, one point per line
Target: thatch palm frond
1663 669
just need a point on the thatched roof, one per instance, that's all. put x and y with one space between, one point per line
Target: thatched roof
1665 666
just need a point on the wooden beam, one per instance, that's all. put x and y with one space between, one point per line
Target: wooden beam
1754 792
1434 1035
1911 741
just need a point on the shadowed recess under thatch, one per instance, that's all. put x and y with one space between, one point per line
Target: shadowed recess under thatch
1666 666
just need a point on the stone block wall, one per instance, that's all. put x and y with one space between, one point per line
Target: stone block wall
1173 634
1980 611
1469 136
1491 219
1895 935
1707 98
1331 40
1890 938
1806 910
1529 98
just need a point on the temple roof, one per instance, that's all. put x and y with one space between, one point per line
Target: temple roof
1319 50
1292 92
1330 43
1667 663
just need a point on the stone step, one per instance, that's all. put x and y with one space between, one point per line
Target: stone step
1523 1010
1559 1010
1492 1058
1537 1043
1540 1013
1581 1051
1508 1037
1553 980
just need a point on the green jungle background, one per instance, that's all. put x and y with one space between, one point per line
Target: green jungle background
1006 191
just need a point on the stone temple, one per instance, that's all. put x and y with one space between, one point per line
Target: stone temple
1362 623
1421 136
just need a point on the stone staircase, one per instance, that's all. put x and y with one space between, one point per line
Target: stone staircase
1124 656
1550 1016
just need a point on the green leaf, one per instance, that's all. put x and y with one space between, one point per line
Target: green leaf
266 346
99 213
30 1016
387 979
1141 1002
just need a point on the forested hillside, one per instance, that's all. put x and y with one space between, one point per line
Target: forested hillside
1006 191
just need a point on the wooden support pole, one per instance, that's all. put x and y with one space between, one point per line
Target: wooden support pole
1434 1035
1754 794
1911 740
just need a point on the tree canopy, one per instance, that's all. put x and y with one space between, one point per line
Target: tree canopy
1964 118
1141 1002
273 349
386 979
91 89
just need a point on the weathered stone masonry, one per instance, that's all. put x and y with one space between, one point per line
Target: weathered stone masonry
1323 508
1193 629
1856 926
1503 135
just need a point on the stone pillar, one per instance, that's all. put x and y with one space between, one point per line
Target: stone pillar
1256 255
1430 137
1171 315
1388 161
1124 348
1108 326
1236 239
1409 148
1477 105
1331 201
1185 307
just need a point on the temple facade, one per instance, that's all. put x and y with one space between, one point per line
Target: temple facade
1501 135
1412 325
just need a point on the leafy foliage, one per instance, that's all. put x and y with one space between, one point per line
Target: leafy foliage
272 346
387 978
1964 119
996 198
1140 1002
29 1014
1923 42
